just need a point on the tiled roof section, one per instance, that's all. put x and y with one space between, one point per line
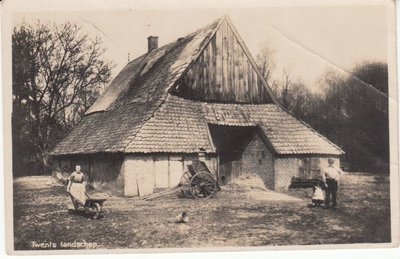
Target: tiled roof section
104 131
181 126
285 133
178 126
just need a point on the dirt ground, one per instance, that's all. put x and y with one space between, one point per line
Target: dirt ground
246 217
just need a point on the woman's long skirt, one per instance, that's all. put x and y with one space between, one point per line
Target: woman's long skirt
78 191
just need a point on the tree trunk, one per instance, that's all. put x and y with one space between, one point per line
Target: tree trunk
44 159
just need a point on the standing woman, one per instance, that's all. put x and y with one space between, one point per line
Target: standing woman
77 186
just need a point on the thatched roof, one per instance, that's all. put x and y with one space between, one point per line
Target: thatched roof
138 114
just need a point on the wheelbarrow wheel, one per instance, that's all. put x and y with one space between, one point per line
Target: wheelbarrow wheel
97 210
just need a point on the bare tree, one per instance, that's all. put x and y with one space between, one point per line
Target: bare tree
283 88
57 73
266 62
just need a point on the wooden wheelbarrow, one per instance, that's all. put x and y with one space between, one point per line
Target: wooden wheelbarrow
92 206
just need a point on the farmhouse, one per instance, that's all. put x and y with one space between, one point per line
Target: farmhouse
199 97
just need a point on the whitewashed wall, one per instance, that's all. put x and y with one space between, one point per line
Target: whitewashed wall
138 175
144 174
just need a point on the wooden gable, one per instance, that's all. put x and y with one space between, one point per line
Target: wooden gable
225 72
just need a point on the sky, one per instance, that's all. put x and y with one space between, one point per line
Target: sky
306 40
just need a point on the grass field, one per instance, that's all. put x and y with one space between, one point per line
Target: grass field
235 217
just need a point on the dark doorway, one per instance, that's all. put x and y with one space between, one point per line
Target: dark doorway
230 142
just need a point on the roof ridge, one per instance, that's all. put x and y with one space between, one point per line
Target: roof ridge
216 21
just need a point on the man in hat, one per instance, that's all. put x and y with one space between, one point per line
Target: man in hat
331 176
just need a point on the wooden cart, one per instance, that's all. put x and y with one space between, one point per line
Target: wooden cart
198 181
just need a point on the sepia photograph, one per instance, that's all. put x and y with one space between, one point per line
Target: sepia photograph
139 126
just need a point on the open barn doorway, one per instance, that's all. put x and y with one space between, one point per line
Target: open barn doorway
242 149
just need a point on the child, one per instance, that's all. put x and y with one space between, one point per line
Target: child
318 197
